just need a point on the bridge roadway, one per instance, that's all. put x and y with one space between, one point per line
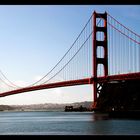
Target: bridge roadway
120 77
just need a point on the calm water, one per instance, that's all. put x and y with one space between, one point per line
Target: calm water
65 123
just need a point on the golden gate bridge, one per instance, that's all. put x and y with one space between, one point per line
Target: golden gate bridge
104 51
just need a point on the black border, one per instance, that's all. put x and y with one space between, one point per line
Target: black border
69 2
71 137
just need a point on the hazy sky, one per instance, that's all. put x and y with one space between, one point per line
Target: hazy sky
34 38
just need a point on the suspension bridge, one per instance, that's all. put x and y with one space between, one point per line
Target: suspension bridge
105 51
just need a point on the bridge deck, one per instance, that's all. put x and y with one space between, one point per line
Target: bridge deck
131 76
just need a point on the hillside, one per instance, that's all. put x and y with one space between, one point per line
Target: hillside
42 107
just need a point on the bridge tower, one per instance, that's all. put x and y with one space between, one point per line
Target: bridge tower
102 29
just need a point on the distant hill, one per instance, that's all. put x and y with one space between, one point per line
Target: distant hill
5 107
43 107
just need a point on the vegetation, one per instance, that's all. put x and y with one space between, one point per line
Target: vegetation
43 107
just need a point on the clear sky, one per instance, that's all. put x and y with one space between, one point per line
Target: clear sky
34 37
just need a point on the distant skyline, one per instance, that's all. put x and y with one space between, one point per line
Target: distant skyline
34 37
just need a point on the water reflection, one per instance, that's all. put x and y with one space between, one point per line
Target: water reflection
100 116
65 123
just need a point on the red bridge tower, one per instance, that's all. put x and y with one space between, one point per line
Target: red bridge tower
99 43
